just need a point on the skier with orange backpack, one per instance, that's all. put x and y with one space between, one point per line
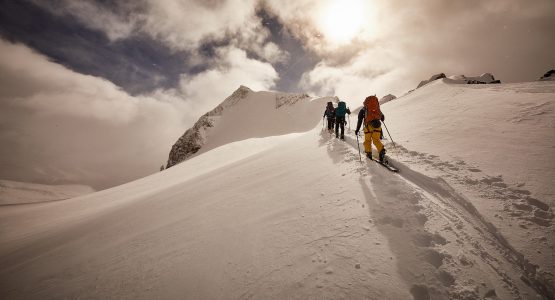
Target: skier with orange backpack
370 115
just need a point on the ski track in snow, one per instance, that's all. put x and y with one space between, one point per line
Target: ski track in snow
459 254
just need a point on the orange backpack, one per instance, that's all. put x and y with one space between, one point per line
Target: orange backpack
372 109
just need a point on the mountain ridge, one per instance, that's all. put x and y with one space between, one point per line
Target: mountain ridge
195 138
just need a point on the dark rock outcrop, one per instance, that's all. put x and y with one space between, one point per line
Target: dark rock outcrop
434 77
549 75
193 139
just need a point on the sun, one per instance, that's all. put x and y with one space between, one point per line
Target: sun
342 20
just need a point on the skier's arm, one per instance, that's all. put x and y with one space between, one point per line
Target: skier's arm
360 118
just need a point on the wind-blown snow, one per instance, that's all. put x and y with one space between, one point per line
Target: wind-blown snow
13 192
277 212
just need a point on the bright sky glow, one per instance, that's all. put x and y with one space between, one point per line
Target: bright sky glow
340 21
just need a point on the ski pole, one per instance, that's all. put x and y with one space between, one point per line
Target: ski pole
358 145
389 135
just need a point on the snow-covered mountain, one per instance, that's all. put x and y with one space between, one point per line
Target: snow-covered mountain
232 120
14 192
287 211
462 79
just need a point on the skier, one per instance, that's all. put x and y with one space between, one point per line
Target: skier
329 113
370 115
340 112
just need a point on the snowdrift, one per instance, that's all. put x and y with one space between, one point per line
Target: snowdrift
13 192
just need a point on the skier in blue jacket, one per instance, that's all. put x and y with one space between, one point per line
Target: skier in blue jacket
340 112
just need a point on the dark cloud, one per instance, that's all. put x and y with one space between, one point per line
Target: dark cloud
300 59
138 64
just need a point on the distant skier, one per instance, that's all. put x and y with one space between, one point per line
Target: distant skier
370 115
340 122
329 113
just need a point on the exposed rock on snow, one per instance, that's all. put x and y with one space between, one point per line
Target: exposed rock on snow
434 77
387 98
482 79
289 99
193 139
462 79
549 75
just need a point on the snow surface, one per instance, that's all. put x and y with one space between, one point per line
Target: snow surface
298 216
13 192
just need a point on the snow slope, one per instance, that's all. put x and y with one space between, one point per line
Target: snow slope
13 192
503 130
495 145
293 216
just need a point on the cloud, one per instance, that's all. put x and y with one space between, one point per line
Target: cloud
96 16
209 88
354 82
60 126
413 40
186 24
419 38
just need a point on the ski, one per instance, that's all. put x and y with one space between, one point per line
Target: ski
386 165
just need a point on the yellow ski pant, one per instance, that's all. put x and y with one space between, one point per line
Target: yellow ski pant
372 134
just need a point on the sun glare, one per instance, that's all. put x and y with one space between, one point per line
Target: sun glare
342 20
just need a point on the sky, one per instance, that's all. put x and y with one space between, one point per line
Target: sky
96 92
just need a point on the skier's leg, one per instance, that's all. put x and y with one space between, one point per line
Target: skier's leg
342 120
367 142
376 139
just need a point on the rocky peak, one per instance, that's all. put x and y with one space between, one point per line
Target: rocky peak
193 139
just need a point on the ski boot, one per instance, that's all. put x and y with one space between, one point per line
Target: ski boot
382 155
